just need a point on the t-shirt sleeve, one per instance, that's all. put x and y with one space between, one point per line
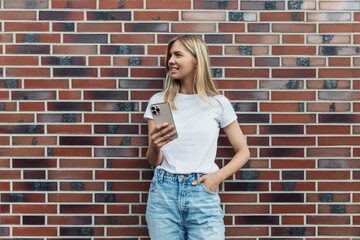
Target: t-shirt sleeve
228 113
154 99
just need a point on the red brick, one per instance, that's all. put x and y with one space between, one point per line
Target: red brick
293 141
294 73
299 96
294 27
132 38
6 38
111 4
26 27
168 4
257 38
4 186
69 95
292 220
99 27
232 27
280 16
18 15
293 163
328 152
75 50
324 175
19 60
22 152
293 50
70 197
28 72
34 231
247 73
339 27
339 72
40 140
293 39
293 208
340 61
290 118
89 4
34 208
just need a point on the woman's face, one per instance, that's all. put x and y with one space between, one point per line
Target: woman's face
181 62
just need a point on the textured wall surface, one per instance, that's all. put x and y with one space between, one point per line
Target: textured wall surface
76 76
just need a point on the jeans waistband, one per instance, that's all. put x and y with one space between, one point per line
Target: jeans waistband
164 175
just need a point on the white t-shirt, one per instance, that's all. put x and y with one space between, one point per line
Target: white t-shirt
197 124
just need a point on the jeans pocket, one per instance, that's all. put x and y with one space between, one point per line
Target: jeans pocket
153 184
206 190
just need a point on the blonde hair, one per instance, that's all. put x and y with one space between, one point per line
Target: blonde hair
204 86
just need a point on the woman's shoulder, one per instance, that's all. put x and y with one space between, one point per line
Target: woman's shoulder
157 97
221 98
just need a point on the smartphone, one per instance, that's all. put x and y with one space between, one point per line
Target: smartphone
161 112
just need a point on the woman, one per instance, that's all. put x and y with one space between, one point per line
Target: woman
183 197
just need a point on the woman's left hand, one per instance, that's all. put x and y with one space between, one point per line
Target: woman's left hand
211 181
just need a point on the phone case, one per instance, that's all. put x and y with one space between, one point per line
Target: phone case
161 112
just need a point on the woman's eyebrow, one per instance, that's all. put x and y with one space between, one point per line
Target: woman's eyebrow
176 52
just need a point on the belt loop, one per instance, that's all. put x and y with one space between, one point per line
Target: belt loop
198 175
162 172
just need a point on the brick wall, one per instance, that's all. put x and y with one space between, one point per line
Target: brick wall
75 79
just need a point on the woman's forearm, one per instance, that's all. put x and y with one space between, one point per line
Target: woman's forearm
237 162
154 156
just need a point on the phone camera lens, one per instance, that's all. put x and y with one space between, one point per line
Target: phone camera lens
154 112
157 109
153 108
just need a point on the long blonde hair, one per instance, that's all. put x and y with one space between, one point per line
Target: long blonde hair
203 84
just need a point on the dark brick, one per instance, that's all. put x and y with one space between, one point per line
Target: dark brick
31 38
245 50
253 118
116 129
77 186
332 107
86 38
126 141
326 197
236 16
294 5
32 4
11 83
134 61
257 220
244 107
222 4
338 208
244 186
54 15
125 106
33 163
110 198
69 106
105 95
218 38
68 118
75 72
41 186
122 49
109 16
287 186
292 175
78 140
249 175
146 27
30 49
108 186
17 197
330 84
297 231
282 197
33 95
301 107
115 152
292 84
327 38
339 118
296 16
216 72
34 220
270 5
108 163
282 129
63 61
328 50
303 62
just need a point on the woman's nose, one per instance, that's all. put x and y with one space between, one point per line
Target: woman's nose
171 60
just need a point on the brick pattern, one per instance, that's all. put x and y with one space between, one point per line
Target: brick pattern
75 79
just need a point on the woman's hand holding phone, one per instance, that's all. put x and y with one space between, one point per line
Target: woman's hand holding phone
161 134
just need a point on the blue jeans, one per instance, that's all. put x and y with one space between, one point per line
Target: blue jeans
176 209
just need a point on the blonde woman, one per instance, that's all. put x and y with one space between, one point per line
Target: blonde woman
184 197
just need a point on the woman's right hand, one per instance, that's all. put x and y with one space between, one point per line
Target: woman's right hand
161 134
